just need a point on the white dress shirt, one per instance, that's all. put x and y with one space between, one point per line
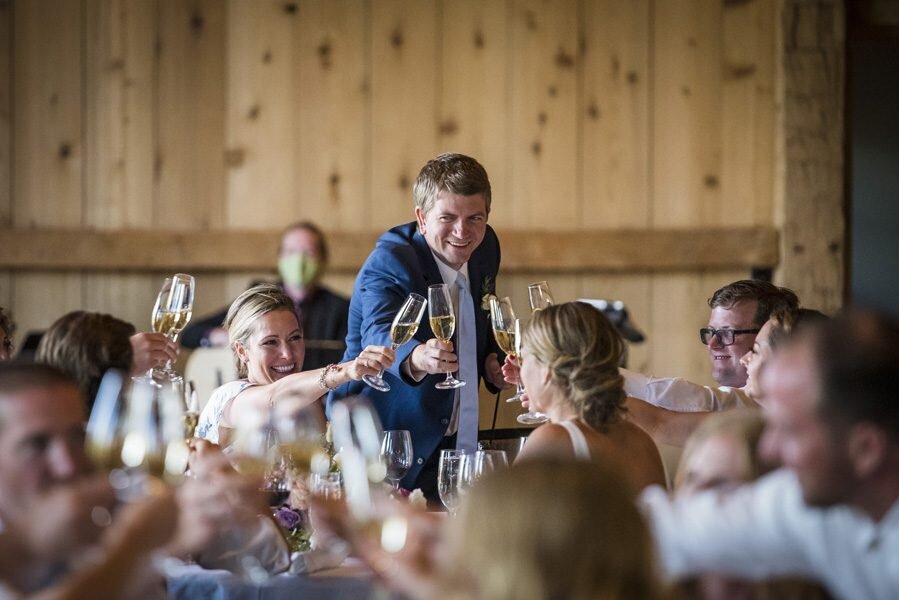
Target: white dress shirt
449 276
765 530
678 394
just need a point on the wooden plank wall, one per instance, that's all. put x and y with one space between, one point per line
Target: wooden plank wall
230 114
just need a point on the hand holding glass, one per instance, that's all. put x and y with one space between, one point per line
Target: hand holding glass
404 327
443 324
507 331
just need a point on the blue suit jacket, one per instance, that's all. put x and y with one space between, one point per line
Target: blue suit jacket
402 263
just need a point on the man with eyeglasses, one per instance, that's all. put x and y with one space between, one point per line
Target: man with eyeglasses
739 310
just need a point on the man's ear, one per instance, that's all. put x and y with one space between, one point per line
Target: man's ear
867 446
420 217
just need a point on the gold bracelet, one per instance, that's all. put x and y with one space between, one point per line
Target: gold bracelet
321 378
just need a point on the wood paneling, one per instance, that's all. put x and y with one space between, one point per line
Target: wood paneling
404 52
562 252
635 148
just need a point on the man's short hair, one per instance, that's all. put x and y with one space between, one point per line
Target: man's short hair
18 377
85 345
454 173
314 230
857 354
769 297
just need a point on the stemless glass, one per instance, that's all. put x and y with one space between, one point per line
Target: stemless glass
174 307
540 296
448 479
404 326
507 331
396 451
443 324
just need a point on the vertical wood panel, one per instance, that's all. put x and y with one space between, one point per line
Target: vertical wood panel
615 141
687 112
190 104
120 38
404 92
473 89
748 111
48 155
544 113
332 89
260 114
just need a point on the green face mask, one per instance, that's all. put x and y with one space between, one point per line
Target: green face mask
298 270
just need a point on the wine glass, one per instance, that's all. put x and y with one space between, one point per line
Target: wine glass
507 331
357 434
540 296
396 451
443 324
191 410
448 479
300 431
404 326
172 312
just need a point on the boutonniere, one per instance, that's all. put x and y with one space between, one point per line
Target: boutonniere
488 291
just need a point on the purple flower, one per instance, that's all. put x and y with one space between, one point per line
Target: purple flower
288 518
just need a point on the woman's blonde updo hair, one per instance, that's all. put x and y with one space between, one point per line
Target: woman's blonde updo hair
243 313
582 350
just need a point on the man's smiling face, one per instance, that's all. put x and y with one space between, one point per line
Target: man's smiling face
454 226
726 367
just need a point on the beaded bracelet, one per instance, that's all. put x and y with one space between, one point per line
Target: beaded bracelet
321 378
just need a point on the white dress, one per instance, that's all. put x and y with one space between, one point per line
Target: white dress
578 440
221 398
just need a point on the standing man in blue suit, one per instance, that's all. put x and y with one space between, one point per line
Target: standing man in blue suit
449 242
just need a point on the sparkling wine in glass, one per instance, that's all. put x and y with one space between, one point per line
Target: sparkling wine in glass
443 324
396 452
172 312
449 477
191 415
104 427
404 327
540 296
507 331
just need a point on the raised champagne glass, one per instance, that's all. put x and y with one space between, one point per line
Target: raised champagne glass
507 331
540 296
404 327
443 324
174 307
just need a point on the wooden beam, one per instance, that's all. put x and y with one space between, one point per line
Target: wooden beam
219 251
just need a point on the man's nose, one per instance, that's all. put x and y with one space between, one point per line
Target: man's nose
66 461
715 342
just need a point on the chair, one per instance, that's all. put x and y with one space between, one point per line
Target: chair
209 368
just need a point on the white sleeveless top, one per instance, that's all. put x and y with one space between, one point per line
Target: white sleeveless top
578 440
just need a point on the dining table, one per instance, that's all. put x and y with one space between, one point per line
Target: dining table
351 580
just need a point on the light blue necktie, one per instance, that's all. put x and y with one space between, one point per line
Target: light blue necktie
467 350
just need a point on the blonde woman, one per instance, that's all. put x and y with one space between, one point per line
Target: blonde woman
267 342
570 356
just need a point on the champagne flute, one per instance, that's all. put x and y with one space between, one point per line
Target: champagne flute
173 311
357 435
507 331
404 327
443 324
448 478
540 296
396 451
191 410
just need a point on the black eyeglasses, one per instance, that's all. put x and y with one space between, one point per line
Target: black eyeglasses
725 336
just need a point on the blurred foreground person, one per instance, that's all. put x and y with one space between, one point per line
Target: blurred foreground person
723 454
56 531
544 529
832 512
569 367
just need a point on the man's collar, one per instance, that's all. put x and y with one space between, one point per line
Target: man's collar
447 273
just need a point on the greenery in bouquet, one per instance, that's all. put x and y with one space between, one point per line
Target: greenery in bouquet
295 526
